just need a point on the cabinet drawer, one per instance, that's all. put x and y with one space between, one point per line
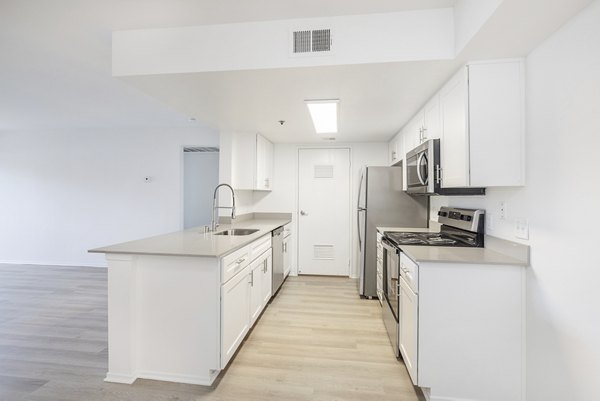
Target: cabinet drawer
259 246
234 263
410 271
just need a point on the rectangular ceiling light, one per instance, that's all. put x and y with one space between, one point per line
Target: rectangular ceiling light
324 114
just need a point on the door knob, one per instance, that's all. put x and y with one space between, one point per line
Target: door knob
303 213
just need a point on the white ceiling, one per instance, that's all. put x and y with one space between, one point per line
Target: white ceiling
55 71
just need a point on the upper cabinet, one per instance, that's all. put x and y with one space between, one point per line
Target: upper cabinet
264 164
413 133
479 117
482 126
396 149
251 162
432 124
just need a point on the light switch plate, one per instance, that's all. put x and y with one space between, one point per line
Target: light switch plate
522 228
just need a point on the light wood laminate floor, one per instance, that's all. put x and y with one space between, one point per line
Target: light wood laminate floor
316 341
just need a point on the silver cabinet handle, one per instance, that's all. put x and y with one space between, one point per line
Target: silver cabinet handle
266 183
252 278
303 213
240 261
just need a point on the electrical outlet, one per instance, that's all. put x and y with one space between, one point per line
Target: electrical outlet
522 228
502 209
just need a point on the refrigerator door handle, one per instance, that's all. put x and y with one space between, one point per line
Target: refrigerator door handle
358 212
362 175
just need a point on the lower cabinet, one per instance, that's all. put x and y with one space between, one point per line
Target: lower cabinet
287 252
408 328
243 298
235 321
260 285
379 268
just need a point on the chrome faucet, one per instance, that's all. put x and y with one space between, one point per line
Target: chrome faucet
215 221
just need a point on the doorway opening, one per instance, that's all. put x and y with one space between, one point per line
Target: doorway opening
200 177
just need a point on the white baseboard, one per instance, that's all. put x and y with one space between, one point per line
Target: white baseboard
187 379
118 378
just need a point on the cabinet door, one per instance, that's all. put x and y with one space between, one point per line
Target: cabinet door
455 137
264 164
287 259
243 161
256 289
267 276
235 314
408 332
432 119
412 133
395 149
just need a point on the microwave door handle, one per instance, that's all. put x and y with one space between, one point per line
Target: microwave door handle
419 169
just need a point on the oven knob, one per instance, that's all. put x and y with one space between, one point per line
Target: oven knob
442 214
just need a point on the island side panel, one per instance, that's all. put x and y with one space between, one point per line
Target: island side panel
163 318
121 319
471 325
178 318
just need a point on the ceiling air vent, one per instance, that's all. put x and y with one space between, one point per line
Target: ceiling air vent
305 42
200 149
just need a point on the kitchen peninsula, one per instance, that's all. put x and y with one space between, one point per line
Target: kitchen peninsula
180 304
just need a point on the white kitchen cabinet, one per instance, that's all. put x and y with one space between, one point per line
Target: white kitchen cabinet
256 289
379 268
245 294
251 162
482 126
287 256
396 149
408 328
235 311
463 320
432 124
264 164
287 250
260 285
413 132
267 278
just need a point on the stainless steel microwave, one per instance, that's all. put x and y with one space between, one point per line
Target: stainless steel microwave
424 172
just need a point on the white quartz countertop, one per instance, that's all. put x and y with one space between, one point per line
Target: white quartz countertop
195 242
502 253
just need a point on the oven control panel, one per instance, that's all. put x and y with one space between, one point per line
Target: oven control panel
466 219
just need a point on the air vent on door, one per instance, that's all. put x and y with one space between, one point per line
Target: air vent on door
305 42
200 149
324 171
323 252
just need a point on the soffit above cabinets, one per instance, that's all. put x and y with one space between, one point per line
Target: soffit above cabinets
56 71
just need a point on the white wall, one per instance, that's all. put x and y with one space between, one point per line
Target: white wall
560 202
284 197
469 17
384 37
200 177
65 192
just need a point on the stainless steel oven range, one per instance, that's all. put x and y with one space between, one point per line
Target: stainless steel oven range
460 228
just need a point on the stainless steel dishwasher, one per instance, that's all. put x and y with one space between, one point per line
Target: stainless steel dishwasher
277 259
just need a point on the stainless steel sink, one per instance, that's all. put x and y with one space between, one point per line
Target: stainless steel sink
237 231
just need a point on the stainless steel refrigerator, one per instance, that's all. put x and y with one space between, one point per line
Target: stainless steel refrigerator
383 203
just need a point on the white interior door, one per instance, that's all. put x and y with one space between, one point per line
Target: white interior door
324 205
